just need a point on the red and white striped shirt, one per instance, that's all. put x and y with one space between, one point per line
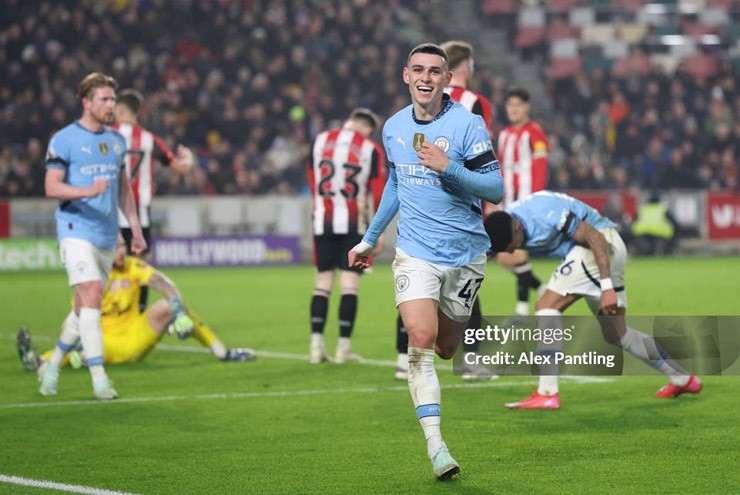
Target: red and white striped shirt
475 103
345 168
523 156
143 147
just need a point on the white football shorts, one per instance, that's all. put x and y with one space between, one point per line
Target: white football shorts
579 274
84 261
454 288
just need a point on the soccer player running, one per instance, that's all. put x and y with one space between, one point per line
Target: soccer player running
143 148
129 334
441 164
594 260
522 149
346 167
84 171
461 64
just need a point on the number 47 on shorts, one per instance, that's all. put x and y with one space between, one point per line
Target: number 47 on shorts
470 290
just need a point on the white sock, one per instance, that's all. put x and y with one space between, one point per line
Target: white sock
522 308
426 394
67 339
317 339
92 341
644 347
218 349
549 318
343 343
402 361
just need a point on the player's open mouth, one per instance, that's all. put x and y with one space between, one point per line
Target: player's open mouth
425 90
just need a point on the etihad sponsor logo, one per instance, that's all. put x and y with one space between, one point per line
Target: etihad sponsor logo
99 169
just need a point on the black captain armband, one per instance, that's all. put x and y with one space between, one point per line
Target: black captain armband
480 160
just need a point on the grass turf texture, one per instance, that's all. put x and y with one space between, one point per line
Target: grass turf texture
283 426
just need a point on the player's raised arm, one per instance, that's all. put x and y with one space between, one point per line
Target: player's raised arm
586 235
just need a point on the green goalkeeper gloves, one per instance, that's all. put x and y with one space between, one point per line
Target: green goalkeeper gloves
182 325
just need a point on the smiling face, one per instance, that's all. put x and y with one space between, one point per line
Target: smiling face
427 75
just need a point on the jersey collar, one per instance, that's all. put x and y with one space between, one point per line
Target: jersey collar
447 103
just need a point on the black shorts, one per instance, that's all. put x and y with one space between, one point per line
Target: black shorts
128 235
330 251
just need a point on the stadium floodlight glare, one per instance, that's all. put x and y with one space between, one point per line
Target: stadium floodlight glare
710 39
674 39
655 8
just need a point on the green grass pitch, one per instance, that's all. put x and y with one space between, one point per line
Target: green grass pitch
281 426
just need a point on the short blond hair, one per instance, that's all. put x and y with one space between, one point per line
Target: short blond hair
94 81
458 52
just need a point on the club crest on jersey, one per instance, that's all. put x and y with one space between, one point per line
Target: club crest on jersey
418 141
103 148
117 148
402 283
442 143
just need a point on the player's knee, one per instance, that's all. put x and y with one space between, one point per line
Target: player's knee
445 350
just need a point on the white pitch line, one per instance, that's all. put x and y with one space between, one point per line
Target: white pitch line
283 393
63 487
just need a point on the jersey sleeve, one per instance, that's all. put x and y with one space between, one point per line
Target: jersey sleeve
58 152
567 222
538 138
482 107
161 152
377 175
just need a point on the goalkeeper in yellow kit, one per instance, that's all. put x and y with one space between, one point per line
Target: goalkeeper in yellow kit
129 334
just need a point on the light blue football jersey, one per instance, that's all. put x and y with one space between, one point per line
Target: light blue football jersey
439 219
550 219
85 156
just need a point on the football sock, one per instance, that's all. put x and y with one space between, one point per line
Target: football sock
647 349
203 334
426 394
92 341
317 339
343 343
549 318
347 312
525 280
319 308
476 318
143 298
67 340
402 338
402 361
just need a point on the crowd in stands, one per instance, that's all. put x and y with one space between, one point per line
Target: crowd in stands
249 83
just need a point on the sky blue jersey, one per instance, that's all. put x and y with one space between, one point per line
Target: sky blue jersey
440 214
550 220
85 156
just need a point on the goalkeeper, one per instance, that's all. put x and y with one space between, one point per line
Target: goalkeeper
129 334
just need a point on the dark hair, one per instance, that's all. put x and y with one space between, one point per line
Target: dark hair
93 81
132 98
518 92
498 228
430 48
458 52
365 115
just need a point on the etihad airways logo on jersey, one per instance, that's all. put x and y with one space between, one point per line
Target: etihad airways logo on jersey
414 174
98 168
